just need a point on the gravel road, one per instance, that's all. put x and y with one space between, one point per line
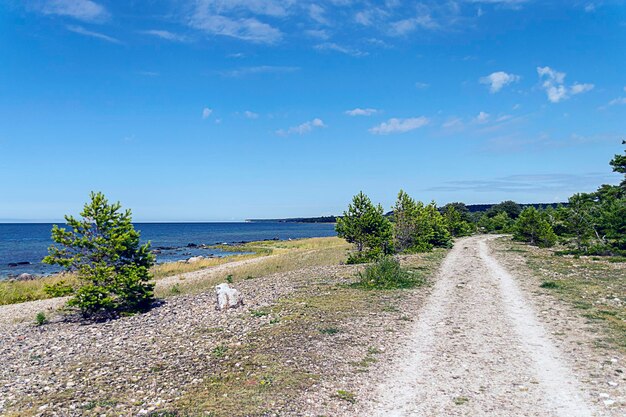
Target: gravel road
477 349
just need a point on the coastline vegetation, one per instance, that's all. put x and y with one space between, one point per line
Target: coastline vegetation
286 255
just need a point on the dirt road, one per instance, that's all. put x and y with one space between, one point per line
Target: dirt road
477 348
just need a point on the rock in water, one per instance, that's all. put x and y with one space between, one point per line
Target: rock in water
227 297
194 259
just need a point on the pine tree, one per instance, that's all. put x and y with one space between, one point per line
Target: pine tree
104 250
366 226
531 227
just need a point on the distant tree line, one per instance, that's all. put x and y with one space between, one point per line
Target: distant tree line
589 223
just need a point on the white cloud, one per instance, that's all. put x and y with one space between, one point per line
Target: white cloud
482 117
317 33
85 10
581 88
590 7
399 125
453 123
210 16
331 46
82 31
361 112
261 69
250 114
497 80
363 18
206 112
554 85
421 86
303 128
316 12
164 34
406 26
617 101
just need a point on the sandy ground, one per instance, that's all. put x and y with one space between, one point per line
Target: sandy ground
478 348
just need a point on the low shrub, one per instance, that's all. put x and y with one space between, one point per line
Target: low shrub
387 273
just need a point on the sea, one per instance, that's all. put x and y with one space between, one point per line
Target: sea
24 245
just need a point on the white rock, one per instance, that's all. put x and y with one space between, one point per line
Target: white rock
227 297
195 259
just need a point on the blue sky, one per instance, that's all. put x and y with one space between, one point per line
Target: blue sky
231 109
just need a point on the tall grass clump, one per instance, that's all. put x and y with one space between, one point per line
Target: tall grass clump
387 274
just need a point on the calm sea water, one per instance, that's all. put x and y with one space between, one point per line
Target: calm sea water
29 242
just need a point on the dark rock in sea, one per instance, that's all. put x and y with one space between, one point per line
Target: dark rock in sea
164 247
156 251
14 264
192 245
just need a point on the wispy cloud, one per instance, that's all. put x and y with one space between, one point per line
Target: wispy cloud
497 80
421 86
261 69
303 128
85 10
250 114
164 34
206 112
317 34
331 46
211 16
317 13
557 183
82 31
554 85
405 26
395 125
361 112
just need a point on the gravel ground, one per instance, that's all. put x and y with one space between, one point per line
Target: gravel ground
479 348
480 341
150 362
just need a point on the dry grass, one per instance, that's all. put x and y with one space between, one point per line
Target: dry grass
285 256
22 291
594 285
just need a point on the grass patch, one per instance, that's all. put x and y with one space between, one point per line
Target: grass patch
346 396
330 331
594 285
460 400
549 284
387 274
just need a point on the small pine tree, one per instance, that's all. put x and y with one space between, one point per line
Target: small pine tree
455 222
104 250
366 226
405 214
531 227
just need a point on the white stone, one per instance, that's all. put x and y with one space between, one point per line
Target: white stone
227 297
195 259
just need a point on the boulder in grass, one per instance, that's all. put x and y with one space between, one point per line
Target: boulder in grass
227 297
25 277
195 259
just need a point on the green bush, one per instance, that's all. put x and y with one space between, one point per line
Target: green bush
418 227
58 289
533 228
387 274
365 225
40 319
104 250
